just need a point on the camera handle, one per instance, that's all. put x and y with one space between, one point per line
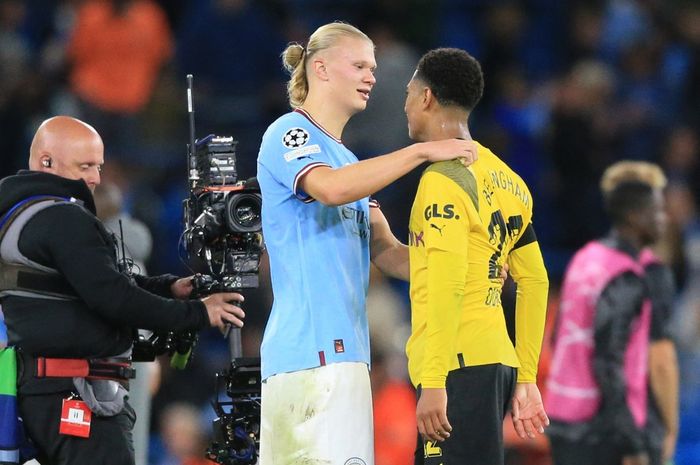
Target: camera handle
235 346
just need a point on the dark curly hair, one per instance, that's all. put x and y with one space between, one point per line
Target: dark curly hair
453 76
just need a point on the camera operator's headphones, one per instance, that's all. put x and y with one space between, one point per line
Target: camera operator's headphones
46 162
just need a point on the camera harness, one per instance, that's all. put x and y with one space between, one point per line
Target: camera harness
22 277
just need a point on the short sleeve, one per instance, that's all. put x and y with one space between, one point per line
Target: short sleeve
290 150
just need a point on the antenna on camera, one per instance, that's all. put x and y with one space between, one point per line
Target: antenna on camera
121 238
192 162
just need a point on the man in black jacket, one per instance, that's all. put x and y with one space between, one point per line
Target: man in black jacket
69 300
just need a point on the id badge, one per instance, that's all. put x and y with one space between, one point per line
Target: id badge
75 418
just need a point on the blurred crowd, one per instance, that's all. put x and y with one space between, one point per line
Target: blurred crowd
571 86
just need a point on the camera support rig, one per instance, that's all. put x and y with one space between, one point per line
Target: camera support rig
223 229
237 430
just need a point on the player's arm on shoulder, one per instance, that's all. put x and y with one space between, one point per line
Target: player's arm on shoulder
528 270
338 186
386 251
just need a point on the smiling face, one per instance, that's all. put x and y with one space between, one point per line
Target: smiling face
349 67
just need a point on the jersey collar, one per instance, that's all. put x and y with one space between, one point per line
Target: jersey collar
315 123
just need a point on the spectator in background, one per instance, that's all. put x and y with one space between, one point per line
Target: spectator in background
689 26
15 57
398 61
232 48
684 247
393 412
581 136
393 397
642 101
14 60
183 436
662 421
680 158
116 52
385 110
135 234
585 31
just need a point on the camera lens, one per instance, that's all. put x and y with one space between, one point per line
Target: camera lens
243 212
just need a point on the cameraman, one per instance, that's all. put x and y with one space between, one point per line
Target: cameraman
64 297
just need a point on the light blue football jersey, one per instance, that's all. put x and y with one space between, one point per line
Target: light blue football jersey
319 255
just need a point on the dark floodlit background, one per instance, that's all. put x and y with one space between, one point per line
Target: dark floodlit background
571 86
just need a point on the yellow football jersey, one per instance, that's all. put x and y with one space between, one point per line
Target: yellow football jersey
465 224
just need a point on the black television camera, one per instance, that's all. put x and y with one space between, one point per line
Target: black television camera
223 225
222 218
223 231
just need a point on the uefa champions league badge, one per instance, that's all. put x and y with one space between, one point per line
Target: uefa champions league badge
295 138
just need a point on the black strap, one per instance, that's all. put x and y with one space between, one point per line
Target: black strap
30 280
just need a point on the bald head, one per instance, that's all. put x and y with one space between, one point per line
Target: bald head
69 148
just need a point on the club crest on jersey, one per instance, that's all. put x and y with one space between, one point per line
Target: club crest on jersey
295 138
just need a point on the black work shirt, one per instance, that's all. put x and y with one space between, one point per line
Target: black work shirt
109 306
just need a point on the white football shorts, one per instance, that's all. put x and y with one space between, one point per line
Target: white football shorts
318 416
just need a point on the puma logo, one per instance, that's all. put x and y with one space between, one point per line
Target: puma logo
432 225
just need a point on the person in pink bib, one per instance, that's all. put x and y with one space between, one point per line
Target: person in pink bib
597 386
